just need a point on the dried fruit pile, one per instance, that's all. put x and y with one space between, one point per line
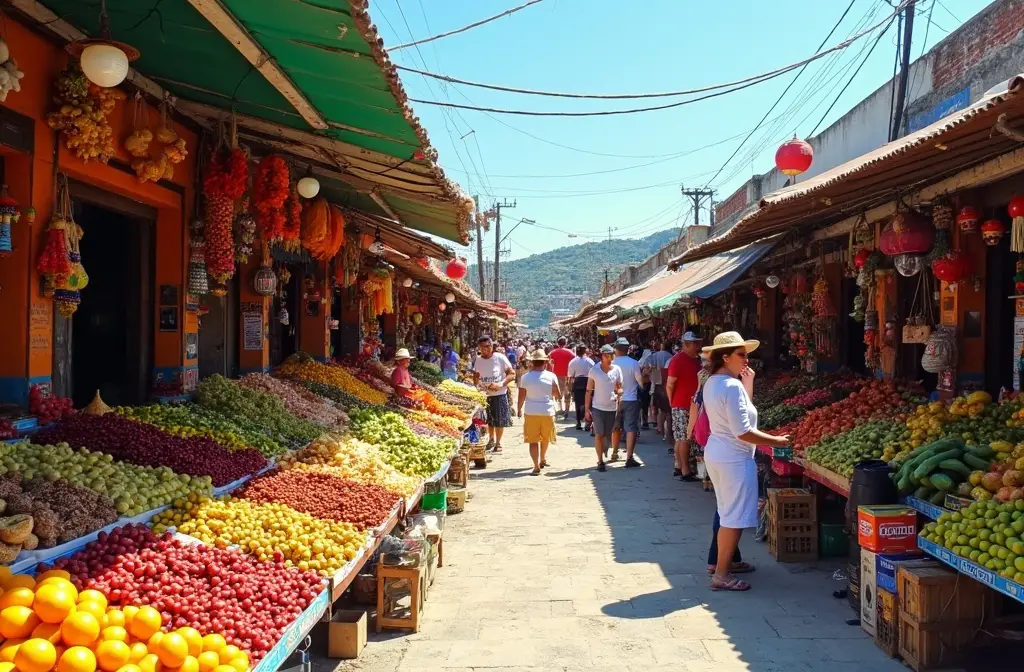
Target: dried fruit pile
57 512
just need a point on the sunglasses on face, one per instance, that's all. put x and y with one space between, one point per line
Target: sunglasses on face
741 355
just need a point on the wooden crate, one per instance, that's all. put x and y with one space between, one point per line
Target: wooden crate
927 646
936 595
793 541
887 637
790 505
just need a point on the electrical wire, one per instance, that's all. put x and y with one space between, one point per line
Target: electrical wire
475 24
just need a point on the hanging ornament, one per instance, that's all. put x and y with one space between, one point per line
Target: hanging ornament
198 282
992 232
441 306
908 265
968 218
907 233
861 258
457 317
953 268
942 215
264 281
794 157
269 195
1016 211
456 269
282 317
8 214
449 297
1018 279
772 281
759 291
407 283
245 234
104 60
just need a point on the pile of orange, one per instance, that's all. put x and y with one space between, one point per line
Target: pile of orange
47 624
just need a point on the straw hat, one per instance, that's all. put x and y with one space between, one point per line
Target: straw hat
403 354
731 339
538 355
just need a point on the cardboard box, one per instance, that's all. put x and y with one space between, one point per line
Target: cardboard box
887 529
346 635
868 593
886 565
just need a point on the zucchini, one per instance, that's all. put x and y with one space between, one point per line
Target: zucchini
942 482
904 484
980 451
972 460
931 464
938 499
956 466
923 492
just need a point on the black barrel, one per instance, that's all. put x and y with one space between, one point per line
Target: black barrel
871 484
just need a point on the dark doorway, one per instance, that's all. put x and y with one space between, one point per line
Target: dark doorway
218 333
851 340
284 338
107 343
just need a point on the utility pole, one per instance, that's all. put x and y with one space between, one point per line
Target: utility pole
697 195
497 245
480 250
901 90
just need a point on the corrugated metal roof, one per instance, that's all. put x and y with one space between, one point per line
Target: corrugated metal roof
945 148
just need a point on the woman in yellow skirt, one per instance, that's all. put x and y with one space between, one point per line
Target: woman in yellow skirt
538 390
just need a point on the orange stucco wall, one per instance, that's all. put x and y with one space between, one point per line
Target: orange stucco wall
27 335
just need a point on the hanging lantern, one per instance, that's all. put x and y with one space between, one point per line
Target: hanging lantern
992 232
264 281
772 281
1016 210
449 297
456 269
968 218
758 291
794 156
8 214
908 265
861 258
953 267
441 306
308 186
907 233
407 283
104 61
423 262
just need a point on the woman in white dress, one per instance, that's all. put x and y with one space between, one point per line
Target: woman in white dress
729 455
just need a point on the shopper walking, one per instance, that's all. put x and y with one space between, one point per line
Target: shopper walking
644 393
729 455
538 390
628 418
604 389
579 369
492 372
560 358
681 387
658 370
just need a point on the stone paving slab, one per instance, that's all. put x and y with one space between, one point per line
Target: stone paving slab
579 570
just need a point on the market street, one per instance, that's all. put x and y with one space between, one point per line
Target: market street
576 569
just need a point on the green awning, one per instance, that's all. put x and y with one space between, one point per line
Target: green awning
329 53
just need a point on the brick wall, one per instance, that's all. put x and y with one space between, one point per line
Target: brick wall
731 205
966 48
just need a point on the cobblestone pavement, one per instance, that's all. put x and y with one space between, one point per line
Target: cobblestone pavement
580 570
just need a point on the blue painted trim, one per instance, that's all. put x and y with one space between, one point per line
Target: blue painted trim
14 390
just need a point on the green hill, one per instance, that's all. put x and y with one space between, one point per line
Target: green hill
576 269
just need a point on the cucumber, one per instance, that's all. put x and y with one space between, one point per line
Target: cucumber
928 466
938 499
957 466
904 484
942 482
975 462
980 451
923 492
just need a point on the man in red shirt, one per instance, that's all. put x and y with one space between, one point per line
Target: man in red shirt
681 389
560 358
401 379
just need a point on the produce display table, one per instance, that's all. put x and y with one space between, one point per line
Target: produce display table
926 508
830 479
340 582
296 634
972 569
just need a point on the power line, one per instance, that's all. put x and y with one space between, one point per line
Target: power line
782 95
475 24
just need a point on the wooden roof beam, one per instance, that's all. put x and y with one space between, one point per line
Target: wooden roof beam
234 32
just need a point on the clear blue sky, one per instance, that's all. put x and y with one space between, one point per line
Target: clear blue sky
605 46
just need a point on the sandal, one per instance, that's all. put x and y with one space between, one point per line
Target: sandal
731 584
535 472
737 568
497 448
543 464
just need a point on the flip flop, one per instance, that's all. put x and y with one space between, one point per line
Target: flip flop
737 568
731 585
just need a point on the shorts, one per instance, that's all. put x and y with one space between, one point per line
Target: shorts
604 422
680 419
627 418
565 386
661 399
498 411
538 429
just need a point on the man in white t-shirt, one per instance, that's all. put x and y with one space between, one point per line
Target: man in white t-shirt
604 387
492 372
657 368
628 418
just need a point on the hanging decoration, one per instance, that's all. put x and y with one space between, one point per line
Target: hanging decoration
908 265
456 269
824 318
772 281
282 316
759 291
942 215
81 115
67 287
457 317
8 215
441 306
861 258
264 281
377 287
449 297
137 143
291 238
794 157
10 75
315 224
1016 211
198 284
968 218
245 234
171 148
350 263
907 233
54 263
270 193
992 232
103 59
953 268
1018 279
224 182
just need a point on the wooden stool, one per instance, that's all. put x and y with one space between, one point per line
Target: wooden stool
414 575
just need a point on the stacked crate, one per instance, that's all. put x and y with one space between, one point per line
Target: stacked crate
792 525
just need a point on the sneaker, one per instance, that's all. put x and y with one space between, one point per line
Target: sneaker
601 466
676 473
630 462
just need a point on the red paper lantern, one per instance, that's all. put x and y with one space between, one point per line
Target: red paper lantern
794 156
907 233
861 258
992 231
1016 207
953 267
968 218
456 269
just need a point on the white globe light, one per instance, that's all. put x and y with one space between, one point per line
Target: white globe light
907 264
376 248
407 282
308 187
449 297
104 64
772 281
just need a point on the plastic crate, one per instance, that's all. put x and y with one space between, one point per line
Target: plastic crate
791 504
832 540
793 541
438 500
